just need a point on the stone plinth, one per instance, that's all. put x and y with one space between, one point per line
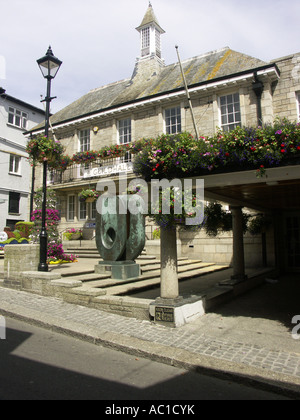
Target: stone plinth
119 270
179 312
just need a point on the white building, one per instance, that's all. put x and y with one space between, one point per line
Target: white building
16 117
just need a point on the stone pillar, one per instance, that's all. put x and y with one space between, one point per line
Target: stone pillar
238 244
168 254
170 309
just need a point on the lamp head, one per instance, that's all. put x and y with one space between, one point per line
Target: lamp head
49 64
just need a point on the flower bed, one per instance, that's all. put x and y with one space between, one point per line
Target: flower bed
56 254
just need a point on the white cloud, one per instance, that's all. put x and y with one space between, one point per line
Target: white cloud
98 44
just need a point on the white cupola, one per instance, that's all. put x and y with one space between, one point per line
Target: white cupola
150 33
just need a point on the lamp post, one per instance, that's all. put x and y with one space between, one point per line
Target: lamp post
49 66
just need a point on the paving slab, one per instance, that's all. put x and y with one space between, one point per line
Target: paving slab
200 346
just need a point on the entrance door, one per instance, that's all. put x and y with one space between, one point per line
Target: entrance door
293 242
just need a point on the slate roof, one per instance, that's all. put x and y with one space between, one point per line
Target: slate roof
149 18
208 67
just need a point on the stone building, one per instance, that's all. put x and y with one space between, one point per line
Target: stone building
227 89
16 116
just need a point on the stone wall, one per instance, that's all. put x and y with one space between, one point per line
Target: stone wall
19 258
284 96
219 250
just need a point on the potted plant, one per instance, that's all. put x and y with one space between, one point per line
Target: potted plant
73 234
88 196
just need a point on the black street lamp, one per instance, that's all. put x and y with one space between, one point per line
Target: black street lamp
49 66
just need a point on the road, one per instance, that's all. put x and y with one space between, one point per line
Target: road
37 364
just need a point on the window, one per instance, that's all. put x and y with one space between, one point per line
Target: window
17 117
94 210
125 131
173 120
14 164
230 111
71 207
82 210
145 37
14 202
84 141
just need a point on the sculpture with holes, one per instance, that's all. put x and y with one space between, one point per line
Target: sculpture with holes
120 237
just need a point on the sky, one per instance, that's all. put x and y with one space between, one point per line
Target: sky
98 44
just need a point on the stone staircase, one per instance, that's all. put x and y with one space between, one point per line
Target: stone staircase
150 273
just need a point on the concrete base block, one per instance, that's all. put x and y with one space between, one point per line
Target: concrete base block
176 313
120 270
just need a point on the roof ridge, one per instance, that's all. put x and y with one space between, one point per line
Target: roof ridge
205 54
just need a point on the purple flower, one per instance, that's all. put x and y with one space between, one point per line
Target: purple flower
278 132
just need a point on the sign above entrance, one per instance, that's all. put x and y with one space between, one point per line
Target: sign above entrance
108 170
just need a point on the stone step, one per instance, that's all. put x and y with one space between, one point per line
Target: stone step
92 253
75 273
182 265
108 282
93 277
149 283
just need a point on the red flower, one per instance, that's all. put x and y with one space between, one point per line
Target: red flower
282 151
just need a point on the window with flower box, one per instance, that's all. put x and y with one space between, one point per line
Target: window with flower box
230 111
17 117
125 131
173 120
84 141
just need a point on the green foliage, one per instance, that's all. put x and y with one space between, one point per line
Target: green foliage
156 233
24 228
259 224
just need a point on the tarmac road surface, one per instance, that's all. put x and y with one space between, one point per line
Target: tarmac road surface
37 364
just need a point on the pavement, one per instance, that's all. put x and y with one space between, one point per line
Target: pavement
248 339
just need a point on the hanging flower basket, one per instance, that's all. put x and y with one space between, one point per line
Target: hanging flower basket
41 149
88 196
65 162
